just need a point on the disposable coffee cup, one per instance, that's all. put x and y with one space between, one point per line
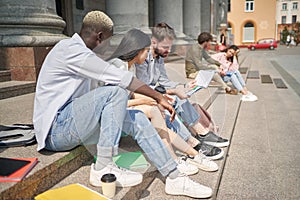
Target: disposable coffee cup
108 182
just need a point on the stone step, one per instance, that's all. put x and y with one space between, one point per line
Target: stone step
15 88
128 144
5 75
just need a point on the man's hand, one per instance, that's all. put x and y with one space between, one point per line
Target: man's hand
165 104
141 88
179 91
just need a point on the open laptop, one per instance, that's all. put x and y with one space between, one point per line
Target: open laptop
203 79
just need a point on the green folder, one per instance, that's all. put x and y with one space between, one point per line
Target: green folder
131 160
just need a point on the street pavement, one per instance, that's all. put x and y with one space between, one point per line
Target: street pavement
263 161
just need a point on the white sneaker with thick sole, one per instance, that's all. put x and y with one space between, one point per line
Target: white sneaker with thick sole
183 185
249 97
202 162
125 177
186 168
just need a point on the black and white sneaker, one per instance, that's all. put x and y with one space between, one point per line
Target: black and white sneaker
212 139
211 152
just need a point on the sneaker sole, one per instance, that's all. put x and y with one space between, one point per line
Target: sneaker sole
118 184
217 144
202 167
216 157
189 195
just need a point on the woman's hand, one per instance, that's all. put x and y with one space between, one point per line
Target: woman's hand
170 99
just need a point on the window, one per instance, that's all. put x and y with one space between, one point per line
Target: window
249 6
229 6
284 6
294 18
248 33
283 19
79 4
295 5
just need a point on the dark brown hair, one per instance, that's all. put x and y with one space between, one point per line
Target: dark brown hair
204 37
163 30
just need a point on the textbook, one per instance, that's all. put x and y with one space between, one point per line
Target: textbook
15 169
135 161
203 79
131 160
74 191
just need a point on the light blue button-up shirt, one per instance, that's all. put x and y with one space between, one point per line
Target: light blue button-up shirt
153 72
67 73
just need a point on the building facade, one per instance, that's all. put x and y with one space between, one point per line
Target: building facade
250 20
30 28
288 14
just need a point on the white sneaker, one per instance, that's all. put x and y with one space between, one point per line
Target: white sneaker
202 162
186 168
249 97
183 185
125 178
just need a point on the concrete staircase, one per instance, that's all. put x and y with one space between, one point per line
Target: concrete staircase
57 169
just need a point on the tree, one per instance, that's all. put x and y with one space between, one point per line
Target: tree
284 35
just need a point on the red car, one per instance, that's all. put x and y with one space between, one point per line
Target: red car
266 43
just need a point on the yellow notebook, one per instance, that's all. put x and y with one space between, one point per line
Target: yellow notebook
71 192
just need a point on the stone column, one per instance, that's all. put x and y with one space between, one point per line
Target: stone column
29 23
192 18
127 14
28 30
171 12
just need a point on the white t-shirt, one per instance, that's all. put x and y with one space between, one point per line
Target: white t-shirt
66 74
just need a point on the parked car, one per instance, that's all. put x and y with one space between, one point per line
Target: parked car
266 43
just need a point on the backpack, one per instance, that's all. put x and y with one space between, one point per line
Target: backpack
17 135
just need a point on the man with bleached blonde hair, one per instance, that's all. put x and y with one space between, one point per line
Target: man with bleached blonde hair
67 112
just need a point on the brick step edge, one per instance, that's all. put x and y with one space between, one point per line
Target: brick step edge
48 176
5 75
16 90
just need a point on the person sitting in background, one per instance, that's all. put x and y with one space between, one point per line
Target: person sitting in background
132 50
230 71
194 63
153 73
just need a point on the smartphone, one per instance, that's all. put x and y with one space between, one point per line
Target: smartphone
193 90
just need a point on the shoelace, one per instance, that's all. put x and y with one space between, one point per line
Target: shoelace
188 180
120 168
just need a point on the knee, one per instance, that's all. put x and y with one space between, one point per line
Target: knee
118 91
112 90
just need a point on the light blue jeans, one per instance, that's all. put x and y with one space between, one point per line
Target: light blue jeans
178 127
140 128
236 79
186 111
103 112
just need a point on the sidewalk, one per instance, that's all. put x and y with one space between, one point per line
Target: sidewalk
263 161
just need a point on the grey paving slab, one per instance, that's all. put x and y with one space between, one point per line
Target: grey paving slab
265 78
279 83
243 70
253 74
